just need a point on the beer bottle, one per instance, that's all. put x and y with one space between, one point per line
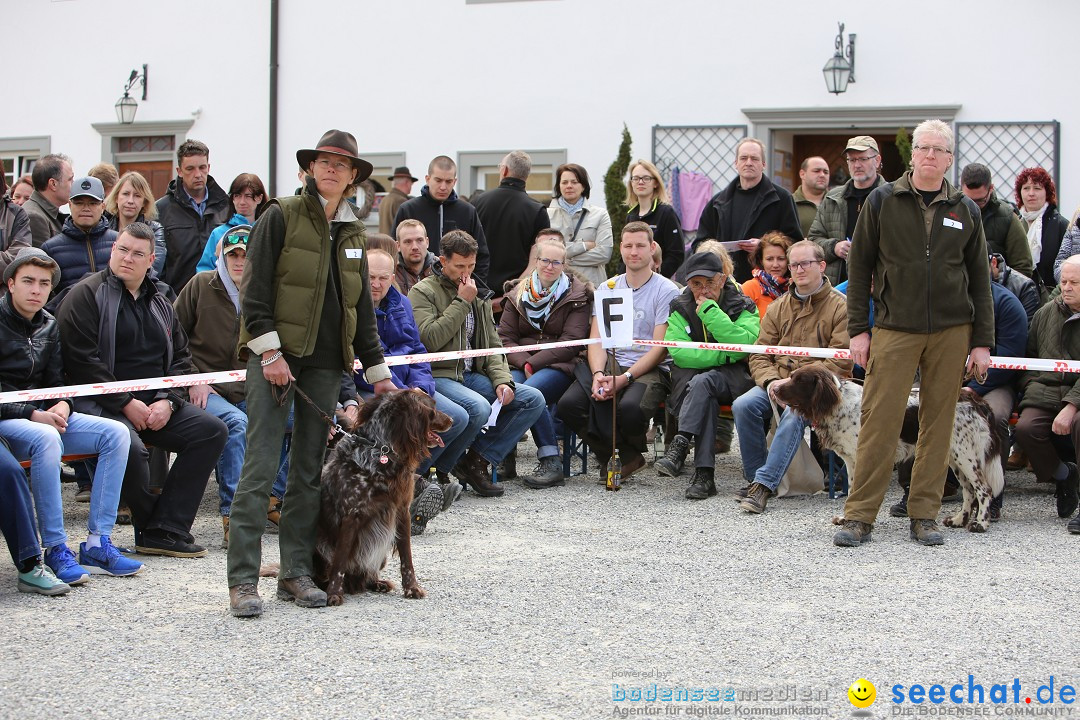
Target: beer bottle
614 473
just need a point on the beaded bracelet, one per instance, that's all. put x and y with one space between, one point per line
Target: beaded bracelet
271 360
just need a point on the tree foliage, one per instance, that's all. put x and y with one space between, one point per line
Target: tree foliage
615 195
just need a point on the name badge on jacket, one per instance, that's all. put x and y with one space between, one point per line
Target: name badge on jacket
949 222
354 253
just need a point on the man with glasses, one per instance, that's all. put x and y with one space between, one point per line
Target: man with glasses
1004 233
834 224
919 255
85 243
811 314
118 324
750 206
512 219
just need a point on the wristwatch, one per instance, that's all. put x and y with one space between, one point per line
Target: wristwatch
173 405
629 377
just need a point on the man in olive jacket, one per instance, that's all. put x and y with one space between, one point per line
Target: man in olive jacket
919 250
450 315
1049 405
306 313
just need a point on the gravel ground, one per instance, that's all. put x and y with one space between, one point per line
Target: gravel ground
541 602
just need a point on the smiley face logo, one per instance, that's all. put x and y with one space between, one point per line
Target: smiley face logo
862 693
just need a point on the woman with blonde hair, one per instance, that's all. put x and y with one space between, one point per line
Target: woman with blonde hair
770 270
132 200
649 203
547 305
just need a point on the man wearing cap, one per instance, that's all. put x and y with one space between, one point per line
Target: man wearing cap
712 309
441 210
307 313
52 177
813 182
194 205
119 325
834 225
208 308
44 430
512 219
401 183
1004 233
811 314
85 243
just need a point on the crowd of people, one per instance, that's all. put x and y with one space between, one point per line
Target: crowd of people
922 281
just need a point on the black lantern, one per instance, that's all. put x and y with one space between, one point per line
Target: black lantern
126 106
840 69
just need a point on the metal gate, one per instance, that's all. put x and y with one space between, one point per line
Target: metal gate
1007 148
707 149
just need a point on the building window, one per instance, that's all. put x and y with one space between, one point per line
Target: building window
19 155
480 171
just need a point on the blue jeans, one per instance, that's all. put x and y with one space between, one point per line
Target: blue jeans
43 445
753 413
439 458
552 384
231 461
476 394
16 511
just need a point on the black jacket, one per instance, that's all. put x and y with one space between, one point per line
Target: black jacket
1053 232
511 219
773 209
88 335
667 232
78 253
440 218
30 352
185 232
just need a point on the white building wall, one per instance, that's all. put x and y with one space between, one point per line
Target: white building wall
428 77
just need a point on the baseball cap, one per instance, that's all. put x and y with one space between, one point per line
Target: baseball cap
703 264
861 143
236 238
88 187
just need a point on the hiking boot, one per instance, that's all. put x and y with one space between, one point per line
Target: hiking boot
425 506
852 534
451 492
900 508
244 600
41 580
547 473
1017 460
507 469
301 590
742 492
82 495
62 562
273 512
107 560
702 485
472 471
672 462
1068 492
1073 527
926 532
756 498
166 543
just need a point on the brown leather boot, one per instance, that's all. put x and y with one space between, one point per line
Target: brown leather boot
273 513
302 590
472 470
225 525
244 600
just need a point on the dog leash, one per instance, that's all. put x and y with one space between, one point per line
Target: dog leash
280 395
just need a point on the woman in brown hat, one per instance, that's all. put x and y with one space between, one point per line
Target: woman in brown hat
307 314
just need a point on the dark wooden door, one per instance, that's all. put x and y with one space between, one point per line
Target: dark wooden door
831 147
157 173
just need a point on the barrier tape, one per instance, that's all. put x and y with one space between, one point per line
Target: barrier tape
67 391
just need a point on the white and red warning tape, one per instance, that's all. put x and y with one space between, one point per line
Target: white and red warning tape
56 393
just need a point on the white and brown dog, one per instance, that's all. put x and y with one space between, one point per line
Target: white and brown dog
834 409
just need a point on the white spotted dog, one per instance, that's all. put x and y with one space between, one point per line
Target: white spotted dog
834 409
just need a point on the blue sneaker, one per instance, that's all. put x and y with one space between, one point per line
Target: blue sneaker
107 560
61 561
41 580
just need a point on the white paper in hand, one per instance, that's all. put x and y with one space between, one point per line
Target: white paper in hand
494 416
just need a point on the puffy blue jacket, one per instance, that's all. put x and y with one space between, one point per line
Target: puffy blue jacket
78 253
398 335
209 255
1010 339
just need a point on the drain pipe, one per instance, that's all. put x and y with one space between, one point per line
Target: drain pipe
273 129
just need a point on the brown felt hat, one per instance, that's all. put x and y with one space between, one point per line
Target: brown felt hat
340 143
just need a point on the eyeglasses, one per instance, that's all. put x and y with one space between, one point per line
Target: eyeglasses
550 263
803 265
857 160
932 149
639 179
337 165
128 252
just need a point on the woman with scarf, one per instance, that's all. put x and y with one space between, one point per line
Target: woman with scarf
132 200
208 308
548 305
1036 197
770 270
586 228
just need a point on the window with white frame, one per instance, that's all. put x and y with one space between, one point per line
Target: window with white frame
19 155
480 171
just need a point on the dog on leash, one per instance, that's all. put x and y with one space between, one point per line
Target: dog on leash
367 485
834 409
